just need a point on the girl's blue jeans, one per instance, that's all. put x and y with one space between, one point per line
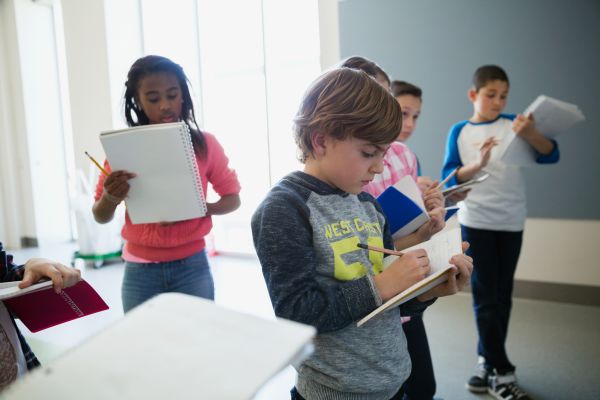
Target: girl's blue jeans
143 281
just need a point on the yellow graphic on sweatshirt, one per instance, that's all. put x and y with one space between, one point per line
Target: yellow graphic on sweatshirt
342 244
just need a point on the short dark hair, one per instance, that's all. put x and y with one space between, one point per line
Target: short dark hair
488 73
343 103
401 88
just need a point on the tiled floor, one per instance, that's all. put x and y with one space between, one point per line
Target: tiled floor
554 345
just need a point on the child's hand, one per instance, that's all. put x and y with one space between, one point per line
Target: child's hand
61 275
435 224
116 186
404 272
457 196
424 183
433 197
458 278
524 126
485 151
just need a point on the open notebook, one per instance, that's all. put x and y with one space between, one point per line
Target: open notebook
174 346
440 248
168 186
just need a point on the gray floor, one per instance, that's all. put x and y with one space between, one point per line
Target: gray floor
555 346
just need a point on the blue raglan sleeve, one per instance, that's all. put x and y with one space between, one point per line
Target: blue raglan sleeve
551 158
452 157
283 240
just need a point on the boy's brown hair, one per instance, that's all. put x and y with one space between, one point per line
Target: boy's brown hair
343 103
488 73
402 88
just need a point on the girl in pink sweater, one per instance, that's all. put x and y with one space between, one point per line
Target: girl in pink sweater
166 257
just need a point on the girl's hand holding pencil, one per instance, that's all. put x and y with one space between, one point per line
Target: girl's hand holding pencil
116 185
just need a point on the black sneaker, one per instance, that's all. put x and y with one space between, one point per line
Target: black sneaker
504 387
478 383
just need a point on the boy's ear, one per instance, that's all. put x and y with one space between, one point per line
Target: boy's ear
472 95
318 142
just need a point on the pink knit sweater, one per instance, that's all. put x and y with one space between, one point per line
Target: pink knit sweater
158 243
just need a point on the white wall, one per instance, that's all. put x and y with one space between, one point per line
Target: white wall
329 32
44 120
17 217
561 251
88 75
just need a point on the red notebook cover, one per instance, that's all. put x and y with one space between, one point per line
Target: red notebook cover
44 308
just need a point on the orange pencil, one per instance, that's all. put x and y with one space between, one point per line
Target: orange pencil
96 162
380 249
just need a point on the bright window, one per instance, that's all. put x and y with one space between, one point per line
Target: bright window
249 61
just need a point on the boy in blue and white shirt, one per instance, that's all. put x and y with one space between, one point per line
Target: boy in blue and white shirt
492 218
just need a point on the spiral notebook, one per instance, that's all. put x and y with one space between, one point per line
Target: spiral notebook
168 186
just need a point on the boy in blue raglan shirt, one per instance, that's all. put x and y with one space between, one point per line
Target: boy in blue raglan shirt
306 233
492 218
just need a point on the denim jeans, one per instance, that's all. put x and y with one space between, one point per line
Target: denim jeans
495 255
143 281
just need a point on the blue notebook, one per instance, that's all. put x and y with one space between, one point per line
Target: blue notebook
450 212
403 207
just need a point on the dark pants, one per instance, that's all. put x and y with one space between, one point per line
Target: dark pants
495 255
420 385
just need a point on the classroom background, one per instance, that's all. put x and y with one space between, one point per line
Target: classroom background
63 63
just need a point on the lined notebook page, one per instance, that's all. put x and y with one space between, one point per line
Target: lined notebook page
168 186
440 248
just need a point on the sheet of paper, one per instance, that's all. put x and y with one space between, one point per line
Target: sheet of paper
552 118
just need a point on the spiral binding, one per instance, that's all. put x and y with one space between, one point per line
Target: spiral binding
186 138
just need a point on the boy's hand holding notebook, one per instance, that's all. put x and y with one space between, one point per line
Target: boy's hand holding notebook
552 117
440 248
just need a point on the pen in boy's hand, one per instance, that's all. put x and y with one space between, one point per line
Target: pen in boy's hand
446 179
96 162
380 249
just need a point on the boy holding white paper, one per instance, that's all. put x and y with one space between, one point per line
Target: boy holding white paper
492 218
